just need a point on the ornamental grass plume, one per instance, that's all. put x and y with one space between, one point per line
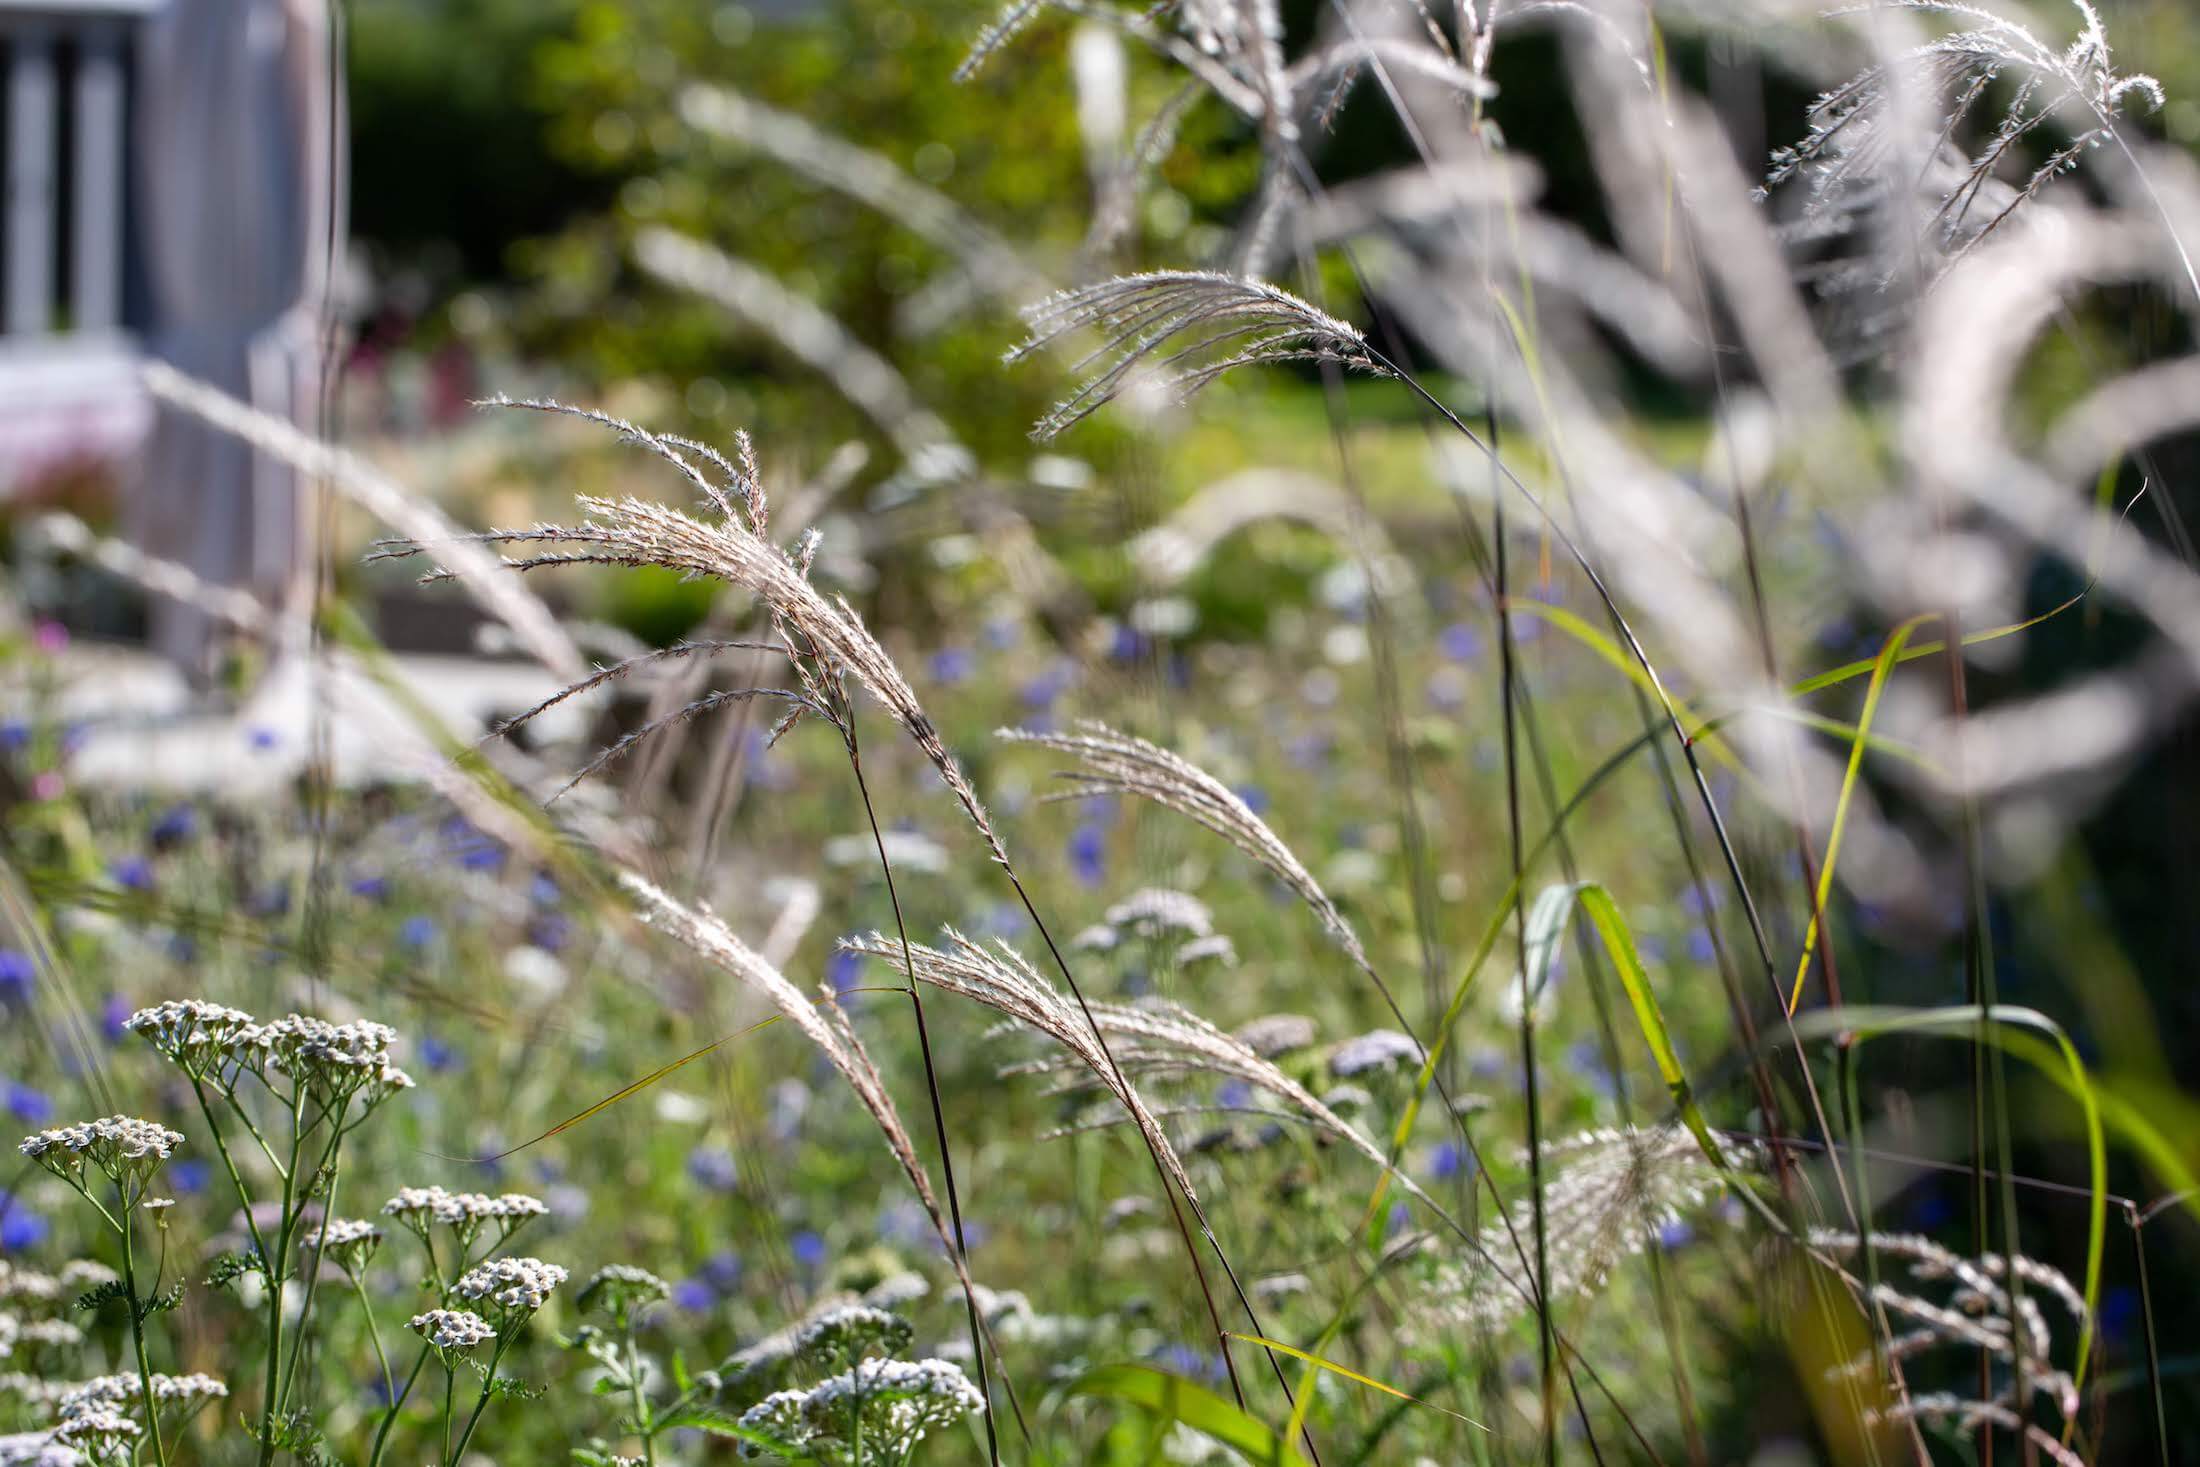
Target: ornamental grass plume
1608 1195
1980 1306
823 1023
1181 330
1109 762
825 642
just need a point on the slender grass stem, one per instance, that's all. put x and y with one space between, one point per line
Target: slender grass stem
397 1404
137 1308
931 1078
374 1335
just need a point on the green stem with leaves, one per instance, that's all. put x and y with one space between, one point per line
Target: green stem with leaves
481 1403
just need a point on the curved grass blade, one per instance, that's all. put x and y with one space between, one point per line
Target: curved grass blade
1889 654
638 1086
1848 671
1172 1398
1619 946
1350 1374
1861 1024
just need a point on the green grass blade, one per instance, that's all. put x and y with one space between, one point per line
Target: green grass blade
2003 1028
1889 654
1172 1398
1319 1363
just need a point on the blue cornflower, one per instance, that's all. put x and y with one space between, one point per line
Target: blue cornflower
22 1227
952 665
27 1106
1088 853
417 931
808 1249
132 873
693 1295
723 1270
843 969
177 824
17 975
714 1167
1460 642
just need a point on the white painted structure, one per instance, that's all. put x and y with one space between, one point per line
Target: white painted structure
174 187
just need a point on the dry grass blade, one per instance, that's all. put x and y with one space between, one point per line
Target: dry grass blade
823 637
816 338
1111 762
992 264
380 496
824 1024
1182 329
1000 979
226 604
1611 1193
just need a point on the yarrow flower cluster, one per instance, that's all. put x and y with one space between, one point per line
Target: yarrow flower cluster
516 1286
350 1242
888 1405
121 1391
849 1333
1159 911
1374 1051
619 1288
1272 1036
197 1035
99 1432
28 1285
126 1149
464 1213
37 1449
453 1331
332 1062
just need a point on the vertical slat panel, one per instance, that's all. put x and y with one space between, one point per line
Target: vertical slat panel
96 273
33 128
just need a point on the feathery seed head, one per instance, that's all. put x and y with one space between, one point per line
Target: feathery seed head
1181 329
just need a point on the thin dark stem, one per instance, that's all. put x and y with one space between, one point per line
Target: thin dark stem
1528 997
931 1079
2146 1320
1214 1314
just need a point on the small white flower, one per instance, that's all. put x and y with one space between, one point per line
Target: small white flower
895 1290
1157 911
1214 948
37 1449
1272 1036
192 1032
514 1285
124 1148
619 1287
350 1242
453 1330
851 1332
1378 1049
